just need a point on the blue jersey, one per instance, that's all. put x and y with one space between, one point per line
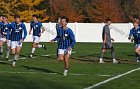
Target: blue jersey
1 27
18 31
36 28
65 38
135 33
5 32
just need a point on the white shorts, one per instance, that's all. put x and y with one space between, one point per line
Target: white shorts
15 44
9 43
36 39
3 39
64 51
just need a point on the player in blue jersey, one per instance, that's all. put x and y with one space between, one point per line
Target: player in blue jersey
66 41
134 36
18 34
5 33
1 28
36 26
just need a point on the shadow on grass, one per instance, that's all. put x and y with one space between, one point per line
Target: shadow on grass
5 63
131 55
40 69
54 58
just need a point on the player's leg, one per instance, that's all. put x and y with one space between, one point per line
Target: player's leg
1 47
17 52
8 50
16 56
36 45
137 50
113 55
137 57
66 65
102 54
13 53
60 54
13 48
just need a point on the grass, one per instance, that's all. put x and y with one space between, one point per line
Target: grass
45 72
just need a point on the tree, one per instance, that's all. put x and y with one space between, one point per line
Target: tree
30 8
24 8
8 7
65 8
102 9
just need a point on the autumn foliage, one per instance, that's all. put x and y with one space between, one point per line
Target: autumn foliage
76 10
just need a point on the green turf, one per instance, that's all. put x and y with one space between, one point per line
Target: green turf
46 72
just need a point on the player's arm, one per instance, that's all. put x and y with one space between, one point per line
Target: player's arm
42 27
24 33
55 39
104 41
30 29
8 32
131 35
112 39
72 37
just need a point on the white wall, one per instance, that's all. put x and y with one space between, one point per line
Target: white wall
87 32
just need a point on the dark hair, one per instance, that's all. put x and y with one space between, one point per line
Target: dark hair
107 19
35 16
5 16
64 17
135 16
16 16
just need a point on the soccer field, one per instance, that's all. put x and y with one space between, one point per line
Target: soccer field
45 72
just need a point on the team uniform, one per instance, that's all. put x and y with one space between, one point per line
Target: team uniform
36 26
135 35
106 30
5 33
1 31
1 38
36 31
65 39
18 32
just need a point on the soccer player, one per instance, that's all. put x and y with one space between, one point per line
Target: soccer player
36 26
107 44
5 33
18 34
66 41
1 28
135 36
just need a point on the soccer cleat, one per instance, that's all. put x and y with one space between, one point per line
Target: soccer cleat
44 46
31 55
0 55
137 61
65 72
115 62
14 63
101 61
7 59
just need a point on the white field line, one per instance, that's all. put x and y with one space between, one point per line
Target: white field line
55 54
110 79
23 58
74 74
